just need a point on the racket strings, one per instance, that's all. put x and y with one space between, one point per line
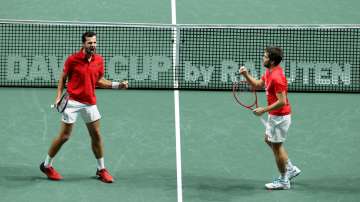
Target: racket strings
245 95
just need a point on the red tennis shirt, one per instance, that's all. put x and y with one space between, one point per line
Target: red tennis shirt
83 76
275 82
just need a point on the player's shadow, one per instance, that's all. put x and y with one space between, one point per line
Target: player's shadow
223 188
25 175
18 175
332 184
205 188
164 179
220 188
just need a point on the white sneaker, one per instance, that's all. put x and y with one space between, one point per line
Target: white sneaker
295 171
278 184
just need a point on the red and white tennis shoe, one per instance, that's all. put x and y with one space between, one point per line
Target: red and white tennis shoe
104 176
50 172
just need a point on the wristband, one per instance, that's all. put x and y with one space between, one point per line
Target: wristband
115 85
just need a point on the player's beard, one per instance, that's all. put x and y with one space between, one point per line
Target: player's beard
90 51
267 64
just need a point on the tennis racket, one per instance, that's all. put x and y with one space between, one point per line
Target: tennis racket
61 105
246 96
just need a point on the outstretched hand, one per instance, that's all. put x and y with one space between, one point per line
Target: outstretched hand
124 84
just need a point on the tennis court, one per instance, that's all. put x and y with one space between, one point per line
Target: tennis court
223 155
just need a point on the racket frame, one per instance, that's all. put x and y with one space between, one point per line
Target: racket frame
235 89
64 98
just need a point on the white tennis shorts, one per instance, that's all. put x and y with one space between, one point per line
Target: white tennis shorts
277 128
89 113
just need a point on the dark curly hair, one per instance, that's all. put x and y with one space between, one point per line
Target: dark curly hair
275 54
87 34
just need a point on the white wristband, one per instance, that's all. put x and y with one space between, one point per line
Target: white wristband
115 85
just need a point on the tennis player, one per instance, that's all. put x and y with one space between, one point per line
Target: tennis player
83 71
279 110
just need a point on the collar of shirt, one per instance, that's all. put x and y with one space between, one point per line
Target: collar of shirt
274 68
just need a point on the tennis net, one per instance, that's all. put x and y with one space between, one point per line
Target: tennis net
318 58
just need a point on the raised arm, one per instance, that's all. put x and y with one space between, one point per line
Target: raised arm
256 83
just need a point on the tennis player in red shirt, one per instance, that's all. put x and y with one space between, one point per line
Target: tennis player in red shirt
83 71
279 110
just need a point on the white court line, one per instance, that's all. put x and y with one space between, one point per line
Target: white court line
176 103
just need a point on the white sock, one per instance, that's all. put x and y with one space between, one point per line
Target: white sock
100 163
48 161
